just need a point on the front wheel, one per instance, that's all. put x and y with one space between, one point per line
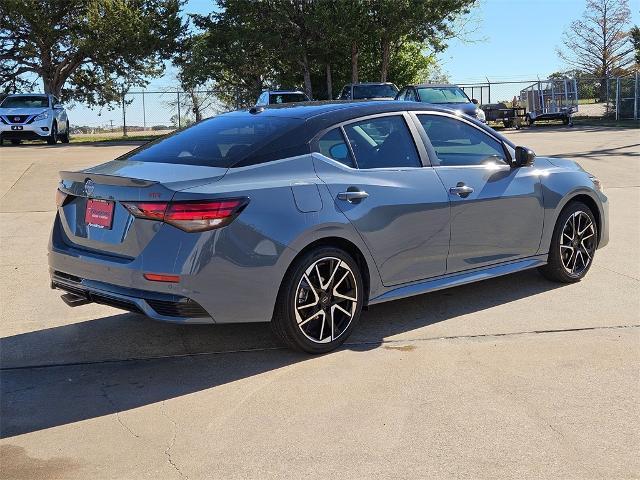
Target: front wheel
573 245
52 139
319 302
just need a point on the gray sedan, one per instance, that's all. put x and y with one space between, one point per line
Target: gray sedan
302 215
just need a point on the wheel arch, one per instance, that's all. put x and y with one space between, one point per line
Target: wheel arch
589 202
349 247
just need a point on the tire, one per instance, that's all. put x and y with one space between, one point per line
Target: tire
571 256
64 138
315 311
15 142
53 138
507 123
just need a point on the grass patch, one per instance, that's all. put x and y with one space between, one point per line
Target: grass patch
605 122
116 137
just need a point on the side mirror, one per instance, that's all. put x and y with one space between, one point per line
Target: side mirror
524 157
474 101
58 106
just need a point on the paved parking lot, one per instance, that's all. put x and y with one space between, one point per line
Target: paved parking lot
511 378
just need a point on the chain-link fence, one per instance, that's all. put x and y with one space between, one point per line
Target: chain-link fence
609 97
157 112
144 113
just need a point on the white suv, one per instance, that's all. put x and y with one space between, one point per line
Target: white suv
33 116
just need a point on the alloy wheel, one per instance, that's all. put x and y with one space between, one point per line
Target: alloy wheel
326 300
577 243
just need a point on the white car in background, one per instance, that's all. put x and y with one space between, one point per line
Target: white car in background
33 116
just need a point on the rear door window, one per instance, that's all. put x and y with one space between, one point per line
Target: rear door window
382 142
220 141
457 143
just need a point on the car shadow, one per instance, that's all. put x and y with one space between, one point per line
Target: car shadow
86 370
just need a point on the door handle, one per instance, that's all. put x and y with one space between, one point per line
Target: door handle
352 196
461 190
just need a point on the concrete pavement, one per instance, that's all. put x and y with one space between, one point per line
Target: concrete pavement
446 385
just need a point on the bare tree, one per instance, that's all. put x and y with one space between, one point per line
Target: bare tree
599 42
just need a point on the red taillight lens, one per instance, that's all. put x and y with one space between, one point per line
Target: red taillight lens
190 216
60 197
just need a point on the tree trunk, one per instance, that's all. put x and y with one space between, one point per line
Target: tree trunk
386 53
329 83
355 52
307 75
196 105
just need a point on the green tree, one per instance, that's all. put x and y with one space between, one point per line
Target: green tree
635 41
87 50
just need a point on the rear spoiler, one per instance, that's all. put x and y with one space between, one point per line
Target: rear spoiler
106 179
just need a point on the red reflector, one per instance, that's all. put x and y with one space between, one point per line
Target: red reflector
159 277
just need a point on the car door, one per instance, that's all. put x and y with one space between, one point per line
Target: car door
379 181
496 210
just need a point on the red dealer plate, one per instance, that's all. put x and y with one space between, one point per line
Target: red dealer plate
99 213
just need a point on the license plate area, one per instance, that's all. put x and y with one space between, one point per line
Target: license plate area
99 213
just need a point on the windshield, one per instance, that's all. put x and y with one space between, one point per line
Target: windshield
442 95
24 101
374 91
220 141
276 98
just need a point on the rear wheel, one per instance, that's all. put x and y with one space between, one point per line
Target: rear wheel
53 138
319 302
574 242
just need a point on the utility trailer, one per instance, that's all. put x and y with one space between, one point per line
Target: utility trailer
502 113
550 100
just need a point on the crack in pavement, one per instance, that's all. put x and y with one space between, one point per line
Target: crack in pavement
16 182
347 344
103 389
167 451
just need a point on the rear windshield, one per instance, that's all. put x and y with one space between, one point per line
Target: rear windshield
374 91
26 101
442 95
276 98
220 141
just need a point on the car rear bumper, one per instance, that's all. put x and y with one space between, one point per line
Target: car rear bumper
159 306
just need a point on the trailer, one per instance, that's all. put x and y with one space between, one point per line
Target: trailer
501 113
550 100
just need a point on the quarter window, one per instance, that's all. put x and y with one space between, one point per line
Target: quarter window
457 143
383 142
332 145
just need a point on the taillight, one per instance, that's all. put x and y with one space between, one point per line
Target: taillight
190 216
60 197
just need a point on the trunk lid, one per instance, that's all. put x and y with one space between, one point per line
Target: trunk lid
123 181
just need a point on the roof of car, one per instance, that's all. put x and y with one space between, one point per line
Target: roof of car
371 83
314 117
284 91
27 95
432 85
